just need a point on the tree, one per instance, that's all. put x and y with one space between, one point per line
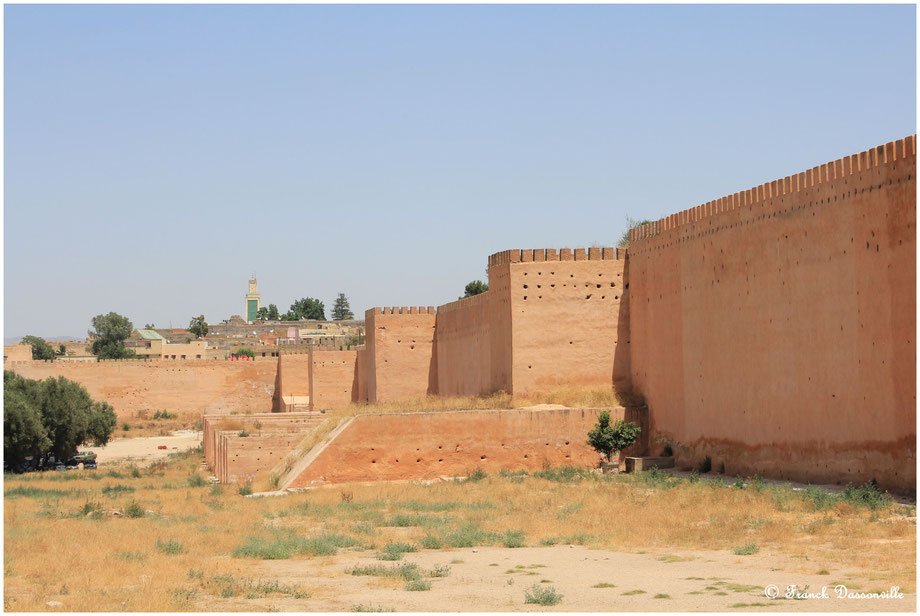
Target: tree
23 432
273 313
110 332
40 348
67 417
341 310
262 314
149 326
608 440
62 350
475 288
306 308
631 223
198 326
245 352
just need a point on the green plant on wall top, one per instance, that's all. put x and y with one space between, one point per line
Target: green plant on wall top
608 439
247 352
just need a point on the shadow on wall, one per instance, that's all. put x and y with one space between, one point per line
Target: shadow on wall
621 378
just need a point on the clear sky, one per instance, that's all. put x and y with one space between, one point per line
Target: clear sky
156 156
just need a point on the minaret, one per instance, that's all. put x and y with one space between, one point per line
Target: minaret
253 301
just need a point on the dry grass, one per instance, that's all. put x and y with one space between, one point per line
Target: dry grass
53 551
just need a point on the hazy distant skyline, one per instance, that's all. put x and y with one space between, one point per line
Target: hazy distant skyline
156 156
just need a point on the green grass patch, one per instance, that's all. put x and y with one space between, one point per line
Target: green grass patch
604 585
633 592
542 595
33 492
513 539
284 544
662 596
170 546
747 549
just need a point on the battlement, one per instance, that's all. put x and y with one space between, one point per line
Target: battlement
825 174
594 253
466 302
400 310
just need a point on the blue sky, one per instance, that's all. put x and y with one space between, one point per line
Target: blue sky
155 156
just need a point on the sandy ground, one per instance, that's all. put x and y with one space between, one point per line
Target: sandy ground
495 579
143 451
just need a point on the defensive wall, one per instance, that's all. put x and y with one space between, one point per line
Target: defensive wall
237 448
400 362
190 386
430 445
333 378
774 329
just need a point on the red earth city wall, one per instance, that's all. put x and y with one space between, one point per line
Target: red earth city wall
466 334
190 386
292 379
333 378
774 329
454 443
400 353
570 316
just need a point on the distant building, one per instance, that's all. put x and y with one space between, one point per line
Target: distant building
253 301
150 344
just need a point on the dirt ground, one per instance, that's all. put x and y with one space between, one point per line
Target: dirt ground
495 579
143 451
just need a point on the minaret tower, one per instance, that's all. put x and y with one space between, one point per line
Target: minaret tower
253 301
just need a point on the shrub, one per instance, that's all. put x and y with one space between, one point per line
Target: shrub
542 595
125 426
747 549
134 510
477 475
608 440
693 477
395 551
171 546
439 571
197 481
866 495
415 585
430 542
245 489
514 539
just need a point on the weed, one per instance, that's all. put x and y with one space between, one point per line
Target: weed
662 596
370 608
171 547
132 556
633 592
246 488
824 572
430 542
395 551
440 571
514 539
416 585
566 474
195 574
476 475
215 490
866 495
739 482
542 595
747 549
134 510
31 492
693 477
469 535
197 481
604 585
117 489
549 541
284 544
135 472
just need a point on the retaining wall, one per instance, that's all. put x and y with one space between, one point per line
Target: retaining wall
454 443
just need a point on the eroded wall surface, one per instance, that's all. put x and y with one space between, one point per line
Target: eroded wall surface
191 386
774 329
452 444
401 359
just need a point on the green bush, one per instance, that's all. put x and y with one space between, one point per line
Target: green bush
415 585
747 549
134 510
197 481
542 595
245 489
430 542
477 475
171 546
866 495
514 539
608 440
